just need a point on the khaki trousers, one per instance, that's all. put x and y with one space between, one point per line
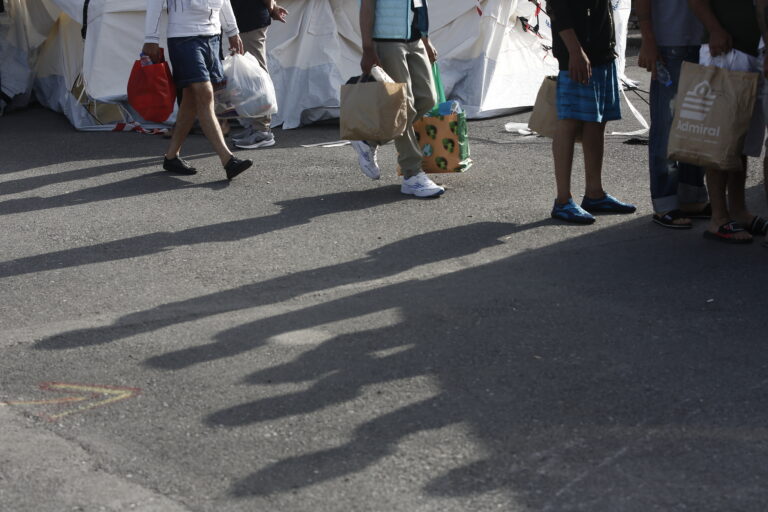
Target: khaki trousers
255 43
408 63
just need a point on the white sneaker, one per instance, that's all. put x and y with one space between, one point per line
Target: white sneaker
421 186
366 156
256 140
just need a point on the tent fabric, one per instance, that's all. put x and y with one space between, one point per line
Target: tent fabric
43 51
622 9
495 66
489 62
27 27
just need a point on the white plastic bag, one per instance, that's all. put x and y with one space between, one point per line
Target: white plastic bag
250 88
222 105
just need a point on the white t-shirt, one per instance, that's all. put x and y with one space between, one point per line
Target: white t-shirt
190 18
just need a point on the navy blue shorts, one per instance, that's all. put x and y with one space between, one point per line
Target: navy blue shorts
596 102
196 59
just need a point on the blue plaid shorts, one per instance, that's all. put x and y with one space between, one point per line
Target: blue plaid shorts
596 102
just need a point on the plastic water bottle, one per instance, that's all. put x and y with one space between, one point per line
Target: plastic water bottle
662 74
145 59
380 75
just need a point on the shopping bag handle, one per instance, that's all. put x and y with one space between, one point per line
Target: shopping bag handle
438 86
438 83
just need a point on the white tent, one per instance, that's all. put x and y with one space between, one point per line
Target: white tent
621 13
490 57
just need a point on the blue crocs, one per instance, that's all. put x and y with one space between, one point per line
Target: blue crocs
608 204
571 212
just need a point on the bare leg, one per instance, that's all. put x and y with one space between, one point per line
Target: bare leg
185 118
203 92
562 153
717 182
593 141
737 202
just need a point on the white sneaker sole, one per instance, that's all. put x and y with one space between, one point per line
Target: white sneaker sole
257 145
422 194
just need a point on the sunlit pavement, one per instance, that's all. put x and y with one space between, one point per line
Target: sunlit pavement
306 339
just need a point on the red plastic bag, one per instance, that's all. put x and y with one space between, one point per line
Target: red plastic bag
151 91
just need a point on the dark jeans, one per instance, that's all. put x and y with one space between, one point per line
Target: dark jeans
672 183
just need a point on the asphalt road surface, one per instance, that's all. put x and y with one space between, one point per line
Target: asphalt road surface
306 339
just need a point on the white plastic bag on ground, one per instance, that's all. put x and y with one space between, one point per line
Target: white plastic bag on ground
250 88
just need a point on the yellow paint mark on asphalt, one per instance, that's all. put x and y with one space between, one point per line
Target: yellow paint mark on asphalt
96 396
68 399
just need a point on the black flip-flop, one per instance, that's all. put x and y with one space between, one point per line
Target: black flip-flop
725 234
668 220
758 226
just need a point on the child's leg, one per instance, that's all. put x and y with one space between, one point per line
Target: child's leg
718 183
737 201
593 141
562 153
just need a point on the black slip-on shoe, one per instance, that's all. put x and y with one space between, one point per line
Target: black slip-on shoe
235 166
178 166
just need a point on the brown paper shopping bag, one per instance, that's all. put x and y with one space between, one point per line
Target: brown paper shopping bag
373 111
543 119
544 116
713 110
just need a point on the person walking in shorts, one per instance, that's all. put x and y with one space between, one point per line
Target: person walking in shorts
671 35
395 37
734 41
253 20
194 49
587 98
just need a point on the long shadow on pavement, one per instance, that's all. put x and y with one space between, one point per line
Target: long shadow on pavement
152 183
36 137
26 184
23 130
386 261
294 212
606 370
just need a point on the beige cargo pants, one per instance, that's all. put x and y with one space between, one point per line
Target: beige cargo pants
408 63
